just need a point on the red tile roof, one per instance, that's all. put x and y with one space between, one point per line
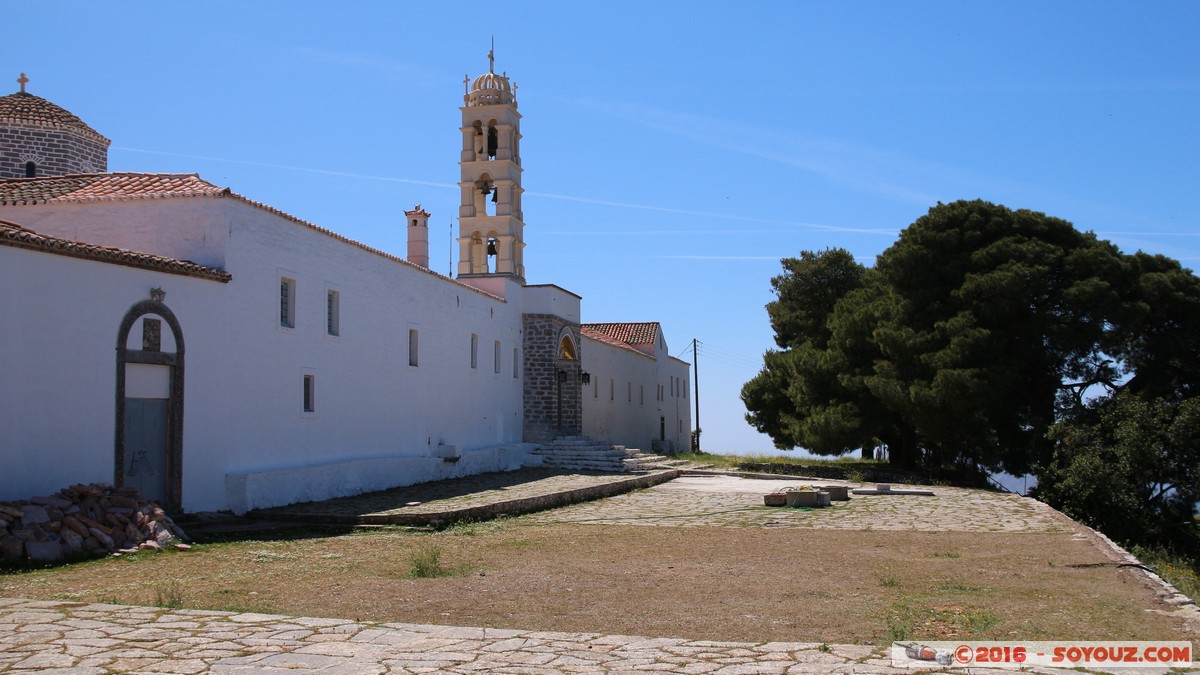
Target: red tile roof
26 110
93 187
97 187
16 236
638 336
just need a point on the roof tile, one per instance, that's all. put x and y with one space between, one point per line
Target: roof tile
639 336
26 110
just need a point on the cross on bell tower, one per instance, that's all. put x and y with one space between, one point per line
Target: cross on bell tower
491 230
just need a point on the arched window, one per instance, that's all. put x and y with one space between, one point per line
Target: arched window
493 141
30 170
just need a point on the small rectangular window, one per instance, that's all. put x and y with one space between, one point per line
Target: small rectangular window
412 347
515 369
310 394
612 385
496 358
474 350
287 302
641 394
332 301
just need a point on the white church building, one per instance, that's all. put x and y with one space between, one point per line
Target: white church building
218 353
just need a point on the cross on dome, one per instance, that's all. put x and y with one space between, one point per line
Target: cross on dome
22 80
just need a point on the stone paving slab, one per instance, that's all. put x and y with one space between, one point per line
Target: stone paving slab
733 501
479 497
44 637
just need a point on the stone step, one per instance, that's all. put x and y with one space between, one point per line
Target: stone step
608 467
607 452
580 453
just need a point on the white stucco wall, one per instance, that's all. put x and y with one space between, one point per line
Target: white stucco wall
58 367
370 403
621 404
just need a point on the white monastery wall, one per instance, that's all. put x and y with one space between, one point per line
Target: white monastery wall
622 405
370 404
58 375
550 299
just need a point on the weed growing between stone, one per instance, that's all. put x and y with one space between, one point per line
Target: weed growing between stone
168 594
426 563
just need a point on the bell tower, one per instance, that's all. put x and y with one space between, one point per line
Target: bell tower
491 240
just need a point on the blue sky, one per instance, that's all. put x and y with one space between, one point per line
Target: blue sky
673 152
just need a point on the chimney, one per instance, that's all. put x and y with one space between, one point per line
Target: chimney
418 236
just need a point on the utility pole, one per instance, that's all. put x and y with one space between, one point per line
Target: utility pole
696 380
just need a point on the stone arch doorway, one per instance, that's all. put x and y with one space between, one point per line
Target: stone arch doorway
148 452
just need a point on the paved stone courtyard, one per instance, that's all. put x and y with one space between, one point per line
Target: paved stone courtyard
80 638
728 501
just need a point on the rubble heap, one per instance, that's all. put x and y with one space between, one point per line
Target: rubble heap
97 519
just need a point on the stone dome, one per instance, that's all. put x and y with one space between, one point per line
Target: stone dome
490 88
39 138
26 110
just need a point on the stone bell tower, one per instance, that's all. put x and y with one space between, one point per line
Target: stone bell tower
491 240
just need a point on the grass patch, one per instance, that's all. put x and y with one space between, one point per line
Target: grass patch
426 563
168 594
889 581
473 528
1177 569
906 621
951 554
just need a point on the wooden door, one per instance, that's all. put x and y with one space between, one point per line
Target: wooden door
146 445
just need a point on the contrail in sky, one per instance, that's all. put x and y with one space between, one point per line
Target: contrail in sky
544 195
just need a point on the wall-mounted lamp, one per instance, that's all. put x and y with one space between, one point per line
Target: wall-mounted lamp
585 377
158 294
562 376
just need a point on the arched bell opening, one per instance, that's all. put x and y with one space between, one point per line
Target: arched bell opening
493 140
480 140
493 252
485 193
478 253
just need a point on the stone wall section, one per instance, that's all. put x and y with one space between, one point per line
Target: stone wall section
55 152
541 334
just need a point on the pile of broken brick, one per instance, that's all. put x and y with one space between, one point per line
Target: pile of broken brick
85 520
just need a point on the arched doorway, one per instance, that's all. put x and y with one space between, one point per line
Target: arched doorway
148 451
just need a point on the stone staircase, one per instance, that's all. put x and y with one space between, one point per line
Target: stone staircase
584 454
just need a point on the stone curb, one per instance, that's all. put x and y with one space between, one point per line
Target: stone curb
511 507
1184 606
